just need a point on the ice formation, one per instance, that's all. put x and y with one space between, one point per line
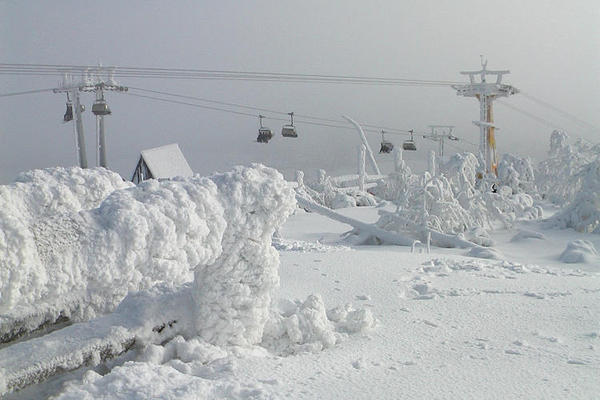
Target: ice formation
29 209
86 261
233 294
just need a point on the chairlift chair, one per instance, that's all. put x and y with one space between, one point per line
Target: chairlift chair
264 134
289 130
386 147
69 112
409 144
100 107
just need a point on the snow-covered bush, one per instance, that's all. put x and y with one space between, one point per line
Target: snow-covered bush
396 185
517 173
583 213
325 192
558 178
456 200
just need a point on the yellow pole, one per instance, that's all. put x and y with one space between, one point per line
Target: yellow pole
492 140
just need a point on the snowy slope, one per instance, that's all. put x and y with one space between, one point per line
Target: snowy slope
447 326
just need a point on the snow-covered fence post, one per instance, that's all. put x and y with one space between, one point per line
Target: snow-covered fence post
300 178
428 242
397 159
361 167
322 176
431 163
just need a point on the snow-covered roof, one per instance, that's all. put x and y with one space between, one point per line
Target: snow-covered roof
166 161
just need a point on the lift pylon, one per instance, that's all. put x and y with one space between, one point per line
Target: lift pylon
486 93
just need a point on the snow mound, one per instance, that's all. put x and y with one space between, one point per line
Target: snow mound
526 234
485 252
308 327
579 251
155 232
135 380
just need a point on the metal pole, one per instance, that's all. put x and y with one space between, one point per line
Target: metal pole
79 125
102 143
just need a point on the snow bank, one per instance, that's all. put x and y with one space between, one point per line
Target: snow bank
156 232
579 251
308 327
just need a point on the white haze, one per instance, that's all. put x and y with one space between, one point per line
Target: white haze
551 48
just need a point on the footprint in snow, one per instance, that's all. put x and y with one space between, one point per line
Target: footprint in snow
364 297
534 295
513 352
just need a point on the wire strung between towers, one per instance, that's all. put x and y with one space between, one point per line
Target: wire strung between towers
180 73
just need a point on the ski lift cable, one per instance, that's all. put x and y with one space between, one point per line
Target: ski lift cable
252 79
25 92
345 127
564 113
246 106
530 115
536 118
303 117
48 68
56 69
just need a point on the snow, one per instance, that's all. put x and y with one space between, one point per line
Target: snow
166 162
284 303
580 251
84 262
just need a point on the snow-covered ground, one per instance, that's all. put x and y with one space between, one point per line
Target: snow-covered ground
447 326
227 288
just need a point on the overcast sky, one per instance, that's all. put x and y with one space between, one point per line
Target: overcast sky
551 48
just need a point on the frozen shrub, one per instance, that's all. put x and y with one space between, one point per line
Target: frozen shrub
583 213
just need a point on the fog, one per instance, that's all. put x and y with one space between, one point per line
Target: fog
550 47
